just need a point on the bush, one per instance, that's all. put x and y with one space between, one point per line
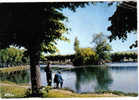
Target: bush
84 56
43 92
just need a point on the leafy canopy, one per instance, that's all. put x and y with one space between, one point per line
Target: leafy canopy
124 21
27 24
102 48
12 57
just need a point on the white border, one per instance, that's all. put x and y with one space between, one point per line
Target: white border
99 98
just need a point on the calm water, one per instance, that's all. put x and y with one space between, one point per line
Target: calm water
90 79
17 77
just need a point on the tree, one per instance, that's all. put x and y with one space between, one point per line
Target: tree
76 44
121 56
84 56
12 57
102 48
124 21
4 57
33 26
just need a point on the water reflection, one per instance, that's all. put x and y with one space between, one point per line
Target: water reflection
17 77
100 76
104 79
124 68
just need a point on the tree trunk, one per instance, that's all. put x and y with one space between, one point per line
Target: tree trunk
35 69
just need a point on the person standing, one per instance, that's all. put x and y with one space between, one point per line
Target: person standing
56 80
60 79
48 74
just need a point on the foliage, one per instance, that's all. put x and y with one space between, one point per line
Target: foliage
120 56
76 44
42 57
98 38
88 56
30 22
43 92
124 21
12 57
102 48
84 56
59 57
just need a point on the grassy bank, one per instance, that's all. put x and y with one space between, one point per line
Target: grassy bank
61 93
12 90
9 91
64 93
13 69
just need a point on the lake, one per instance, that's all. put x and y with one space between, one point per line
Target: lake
118 76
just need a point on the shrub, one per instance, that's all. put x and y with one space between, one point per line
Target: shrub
43 92
84 56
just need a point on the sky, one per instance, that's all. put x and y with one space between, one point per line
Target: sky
88 21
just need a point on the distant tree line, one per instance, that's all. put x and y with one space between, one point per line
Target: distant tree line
88 56
123 56
12 57
60 58
99 54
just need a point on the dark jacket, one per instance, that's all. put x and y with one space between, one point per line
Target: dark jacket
58 78
48 73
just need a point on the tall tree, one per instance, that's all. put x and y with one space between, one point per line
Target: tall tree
102 48
33 25
124 21
76 44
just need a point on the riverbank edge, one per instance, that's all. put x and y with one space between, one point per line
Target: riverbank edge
12 88
14 69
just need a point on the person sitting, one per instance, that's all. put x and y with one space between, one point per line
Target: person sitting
58 79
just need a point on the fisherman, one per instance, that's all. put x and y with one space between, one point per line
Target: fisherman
48 74
58 79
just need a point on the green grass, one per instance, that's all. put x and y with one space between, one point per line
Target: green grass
61 93
12 92
17 91
66 93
